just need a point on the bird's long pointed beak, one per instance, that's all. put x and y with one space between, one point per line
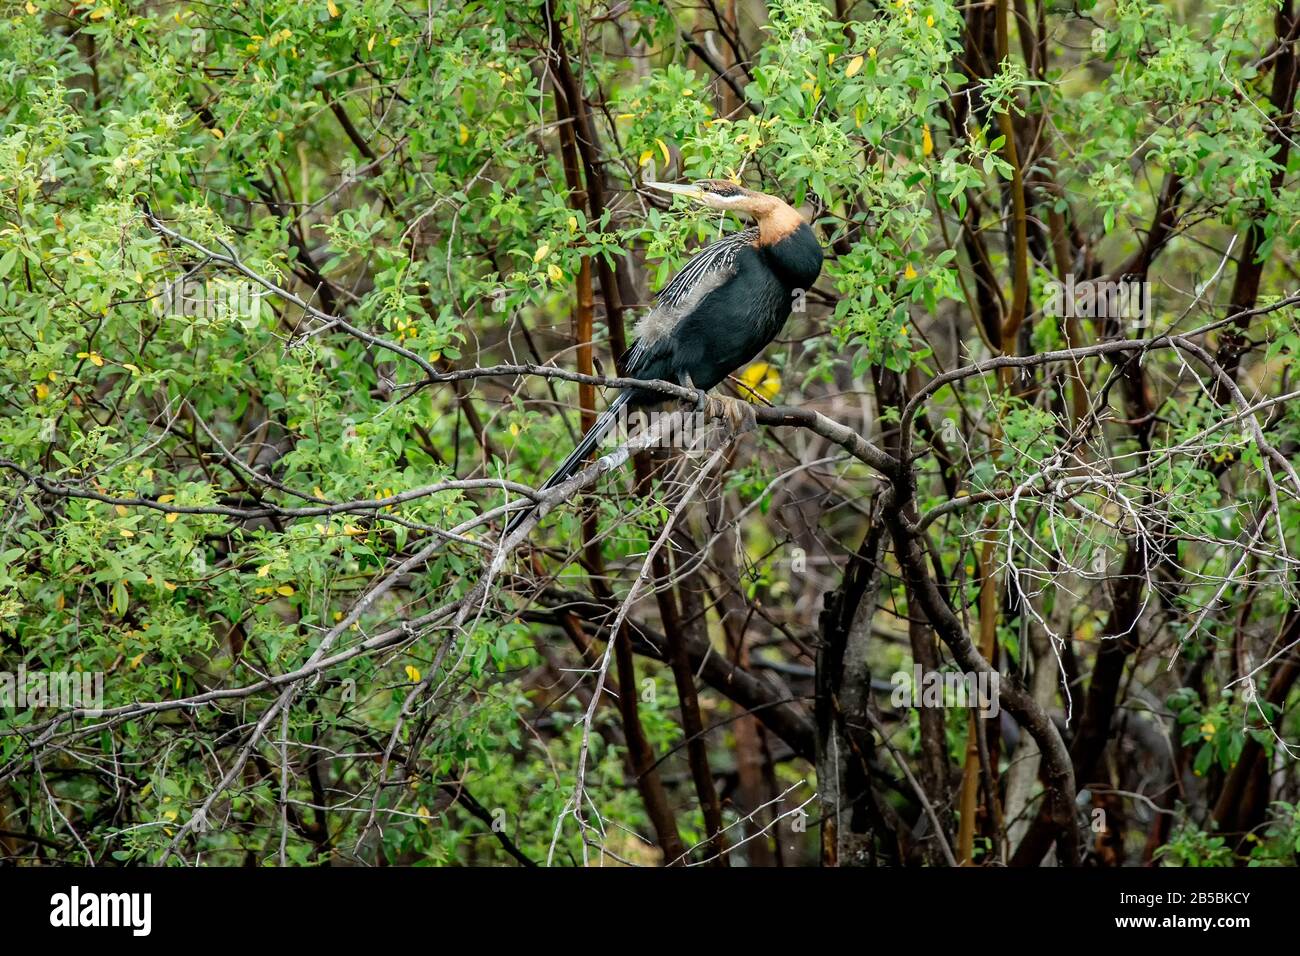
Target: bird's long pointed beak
680 189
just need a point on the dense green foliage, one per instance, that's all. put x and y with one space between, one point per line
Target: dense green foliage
197 499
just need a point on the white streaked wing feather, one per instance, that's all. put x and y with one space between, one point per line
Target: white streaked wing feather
719 256
705 271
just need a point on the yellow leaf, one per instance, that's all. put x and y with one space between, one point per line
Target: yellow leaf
169 586
929 21
663 151
927 141
554 272
909 272
216 133
871 52
412 674
264 570
41 391
854 66
126 534
96 359
172 517
370 44
464 134
31 8
135 662
332 7
163 499
284 589
53 376
514 429
761 380
121 510
573 224
542 252
134 370
101 13
645 157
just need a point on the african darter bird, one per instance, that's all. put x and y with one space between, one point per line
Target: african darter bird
730 300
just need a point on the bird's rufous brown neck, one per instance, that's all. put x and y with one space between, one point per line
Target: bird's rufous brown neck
776 221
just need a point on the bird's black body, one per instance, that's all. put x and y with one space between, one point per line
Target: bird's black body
734 321
725 306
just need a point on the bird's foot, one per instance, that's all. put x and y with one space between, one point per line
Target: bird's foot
701 403
738 413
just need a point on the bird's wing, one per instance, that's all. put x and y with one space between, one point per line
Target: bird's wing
705 271
716 261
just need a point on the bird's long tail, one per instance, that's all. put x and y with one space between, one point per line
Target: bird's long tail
571 464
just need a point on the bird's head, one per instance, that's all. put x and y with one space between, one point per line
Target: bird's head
723 194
